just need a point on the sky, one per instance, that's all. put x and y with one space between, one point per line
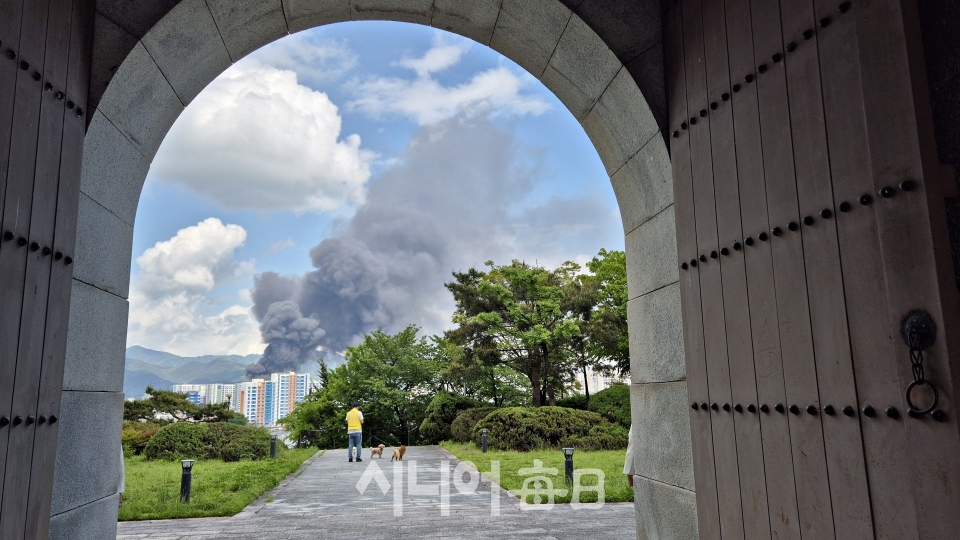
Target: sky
329 183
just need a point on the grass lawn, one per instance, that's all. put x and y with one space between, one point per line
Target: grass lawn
609 461
218 488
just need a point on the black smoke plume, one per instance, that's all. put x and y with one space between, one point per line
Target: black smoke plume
451 204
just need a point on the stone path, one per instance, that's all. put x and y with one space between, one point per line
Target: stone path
324 503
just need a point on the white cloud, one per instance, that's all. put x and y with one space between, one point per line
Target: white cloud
256 138
425 100
169 305
440 57
315 60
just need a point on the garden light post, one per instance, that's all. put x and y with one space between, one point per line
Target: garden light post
483 440
273 446
568 465
185 479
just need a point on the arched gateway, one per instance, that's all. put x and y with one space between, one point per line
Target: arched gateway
810 218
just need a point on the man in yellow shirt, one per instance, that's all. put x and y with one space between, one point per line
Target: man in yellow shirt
355 431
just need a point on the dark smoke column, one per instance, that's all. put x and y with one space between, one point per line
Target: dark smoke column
291 338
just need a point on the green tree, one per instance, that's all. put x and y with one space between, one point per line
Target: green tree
393 377
513 315
177 406
606 330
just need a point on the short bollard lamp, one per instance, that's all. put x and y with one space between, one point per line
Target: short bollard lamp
185 479
568 465
273 446
483 440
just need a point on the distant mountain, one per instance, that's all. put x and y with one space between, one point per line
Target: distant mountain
145 367
135 382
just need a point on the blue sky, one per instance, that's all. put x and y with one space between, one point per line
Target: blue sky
396 150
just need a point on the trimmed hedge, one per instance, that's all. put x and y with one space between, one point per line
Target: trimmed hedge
524 429
461 430
219 440
605 436
613 404
440 414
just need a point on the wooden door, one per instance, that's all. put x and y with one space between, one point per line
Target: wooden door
810 224
44 75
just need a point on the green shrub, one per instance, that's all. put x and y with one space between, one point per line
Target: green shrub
524 429
613 404
218 440
231 442
461 430
136 435
440 413
576 401
605 436
181 440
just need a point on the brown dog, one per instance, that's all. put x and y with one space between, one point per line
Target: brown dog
377 451
398 453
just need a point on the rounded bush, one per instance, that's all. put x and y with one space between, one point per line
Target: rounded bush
613 404
524 429
231 442
182 440
461 430
218 440
440 413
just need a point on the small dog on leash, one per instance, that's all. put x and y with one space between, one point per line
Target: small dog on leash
398 453
377 451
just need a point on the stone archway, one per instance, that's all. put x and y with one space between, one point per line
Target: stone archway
164 60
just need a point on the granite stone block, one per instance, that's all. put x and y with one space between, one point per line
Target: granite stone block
528 31
96 340
187 47
662 450
581 68
644 185
140 102
621 123
113 169
655 322
475 20
103 251
664 512
652 254
411 11
246 26
89 457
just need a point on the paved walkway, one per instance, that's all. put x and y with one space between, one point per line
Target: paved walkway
325 503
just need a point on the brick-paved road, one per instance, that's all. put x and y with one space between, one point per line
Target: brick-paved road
324 503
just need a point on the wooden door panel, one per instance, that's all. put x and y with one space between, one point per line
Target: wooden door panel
896 134
708 518
10 19
848 487
743 391
711 287
872 345
39 251
17 201
61 278
765 335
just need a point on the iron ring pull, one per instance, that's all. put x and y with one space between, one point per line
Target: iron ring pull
913 410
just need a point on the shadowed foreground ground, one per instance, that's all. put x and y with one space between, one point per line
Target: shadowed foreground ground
324 503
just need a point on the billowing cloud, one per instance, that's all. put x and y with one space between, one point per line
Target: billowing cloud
426 100
460 196
169 305
257 139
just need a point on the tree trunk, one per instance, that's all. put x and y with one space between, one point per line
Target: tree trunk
535 383
586 386
548 376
